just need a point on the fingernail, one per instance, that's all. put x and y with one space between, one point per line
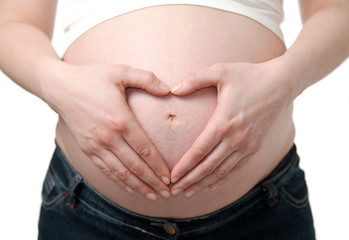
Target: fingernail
163 86
176 88
176 191
174 180
166 180
151 196
189 194
165 194
130 190
214 187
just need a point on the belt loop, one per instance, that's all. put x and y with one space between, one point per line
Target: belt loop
273 192
73 184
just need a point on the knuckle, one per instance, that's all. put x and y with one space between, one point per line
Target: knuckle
101 165
208 168
149 77
144 151
236 144
220 69
106 170
115 179
241 140
92 145
250 145
103 138
137 168
198 154
239 121
85 149
122 174
116 124
123 69
220 173
223 128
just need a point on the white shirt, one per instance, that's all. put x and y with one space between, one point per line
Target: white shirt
79 16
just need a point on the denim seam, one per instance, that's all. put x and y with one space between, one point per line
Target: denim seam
245 197
58 178
116 220
92 190
277 179
283 176
227 219
59 197
96 210
280 178
297 203
52 204
181 220
89 187
182 233
245 208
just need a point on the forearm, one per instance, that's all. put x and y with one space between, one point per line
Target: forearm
320 47
27 56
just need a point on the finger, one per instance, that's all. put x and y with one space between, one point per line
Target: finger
131 131
138 140
188 193
136 78
215 185
202 146
205 167
101 165
216 178
207 77
136 166
121 172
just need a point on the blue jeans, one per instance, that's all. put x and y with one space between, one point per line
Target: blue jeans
276 208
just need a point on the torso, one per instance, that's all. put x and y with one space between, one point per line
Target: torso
172 41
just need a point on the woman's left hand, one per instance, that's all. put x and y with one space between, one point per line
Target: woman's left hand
250 99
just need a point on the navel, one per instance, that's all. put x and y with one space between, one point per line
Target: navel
171 117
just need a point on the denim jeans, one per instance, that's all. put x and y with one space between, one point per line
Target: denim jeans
276 208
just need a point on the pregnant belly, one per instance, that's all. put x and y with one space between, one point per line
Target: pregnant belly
173 41
173 123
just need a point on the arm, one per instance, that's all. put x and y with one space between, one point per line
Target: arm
252 96
321 46
109 133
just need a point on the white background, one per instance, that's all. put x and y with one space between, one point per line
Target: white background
322 119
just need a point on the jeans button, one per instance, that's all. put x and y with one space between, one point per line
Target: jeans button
169 229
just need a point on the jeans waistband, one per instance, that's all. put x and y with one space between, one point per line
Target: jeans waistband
267 189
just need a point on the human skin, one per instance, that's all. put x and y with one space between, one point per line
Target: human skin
34 21
173 51
295 72
315 53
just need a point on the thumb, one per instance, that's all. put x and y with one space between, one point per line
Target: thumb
200 79
145 80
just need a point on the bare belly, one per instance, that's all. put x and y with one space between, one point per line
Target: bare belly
172 41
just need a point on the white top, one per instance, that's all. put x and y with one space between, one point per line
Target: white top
79 16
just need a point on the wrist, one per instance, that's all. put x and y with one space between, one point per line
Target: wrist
291 75
50 74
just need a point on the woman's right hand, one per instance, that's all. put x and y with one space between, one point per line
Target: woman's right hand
92 102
